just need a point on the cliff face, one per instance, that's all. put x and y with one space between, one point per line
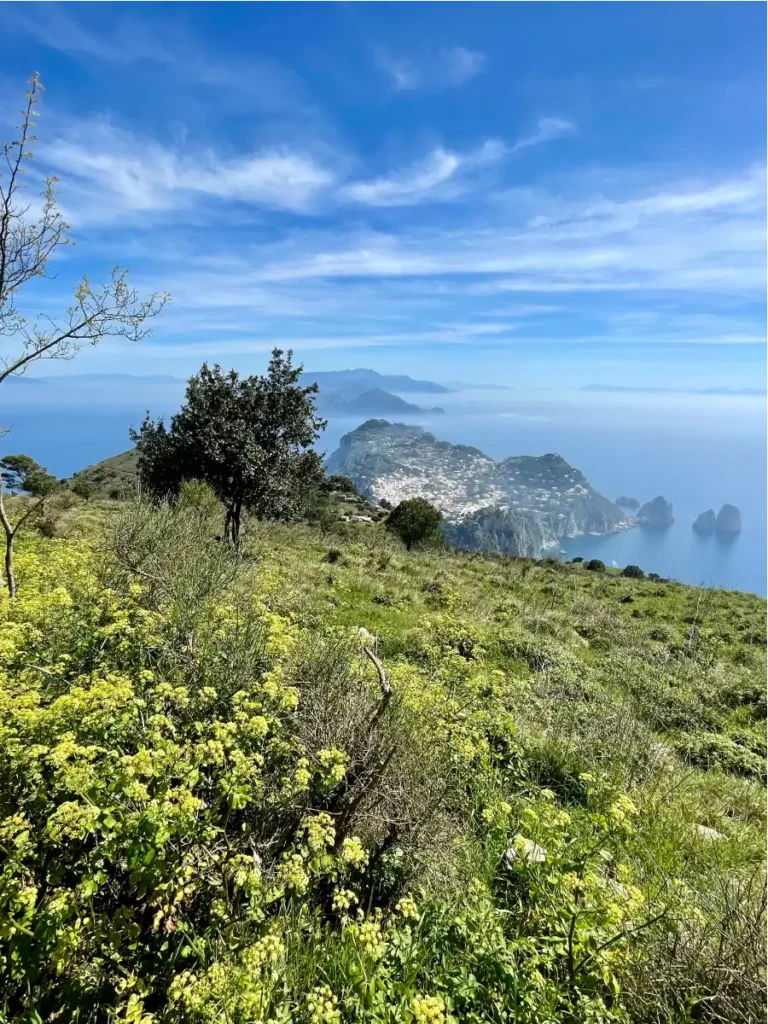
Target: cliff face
705 521
518 506
656 513
728 520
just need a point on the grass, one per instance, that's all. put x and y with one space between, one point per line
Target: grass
557 814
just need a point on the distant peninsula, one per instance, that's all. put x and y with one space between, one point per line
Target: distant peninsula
375 402
522 505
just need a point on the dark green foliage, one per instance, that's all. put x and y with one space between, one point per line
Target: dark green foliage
337 482
596 565
22 473
414 520
633 572
577 560
249 438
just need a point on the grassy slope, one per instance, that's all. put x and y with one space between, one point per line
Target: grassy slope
113 476
659 685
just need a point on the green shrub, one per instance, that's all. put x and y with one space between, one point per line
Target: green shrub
596 565
633 572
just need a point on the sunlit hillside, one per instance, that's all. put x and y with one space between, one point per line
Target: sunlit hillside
332 780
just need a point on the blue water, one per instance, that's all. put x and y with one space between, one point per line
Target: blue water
698 451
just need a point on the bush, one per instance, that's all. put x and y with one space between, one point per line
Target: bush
85 489
633 572
596 565
577 560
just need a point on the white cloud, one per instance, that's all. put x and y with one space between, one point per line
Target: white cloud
547 129
440 176
115 172
461 64
441 69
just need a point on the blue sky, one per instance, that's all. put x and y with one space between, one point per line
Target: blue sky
520 193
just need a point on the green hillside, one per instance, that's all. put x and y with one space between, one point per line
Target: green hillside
330 780
114 477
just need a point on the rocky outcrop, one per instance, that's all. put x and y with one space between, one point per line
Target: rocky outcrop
705 522
728 520
631 503
656 513
519 506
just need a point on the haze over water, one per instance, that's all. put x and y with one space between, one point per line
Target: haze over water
698 451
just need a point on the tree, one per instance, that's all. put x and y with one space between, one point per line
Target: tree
414 520
250 439
27 243
596 565
22 473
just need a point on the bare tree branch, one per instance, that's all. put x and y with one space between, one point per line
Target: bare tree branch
27 243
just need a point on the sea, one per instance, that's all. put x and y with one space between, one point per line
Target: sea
698 451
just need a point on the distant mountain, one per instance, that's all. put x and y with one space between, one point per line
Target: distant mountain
375 402
360 380
113 378
25 381
519 506
625 389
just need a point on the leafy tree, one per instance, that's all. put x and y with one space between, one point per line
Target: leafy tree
633 572
22 473
414 520
577 561
596 565
27 242
249 438
338 482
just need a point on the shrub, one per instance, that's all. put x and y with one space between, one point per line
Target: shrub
633 572
577 560
596 565
85 489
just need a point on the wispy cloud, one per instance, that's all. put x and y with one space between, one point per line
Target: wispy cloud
114 172
441 176
441 69
547 129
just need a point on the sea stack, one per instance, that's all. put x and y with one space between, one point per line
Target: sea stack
728 520
705 522
656 513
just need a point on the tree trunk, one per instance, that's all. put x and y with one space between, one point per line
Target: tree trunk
236 524
228 524
10 533
9 576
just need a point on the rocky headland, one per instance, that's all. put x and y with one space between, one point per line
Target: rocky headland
521 505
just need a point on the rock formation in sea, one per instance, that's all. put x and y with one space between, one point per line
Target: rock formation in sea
625 502
656 513
728 520
705 522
